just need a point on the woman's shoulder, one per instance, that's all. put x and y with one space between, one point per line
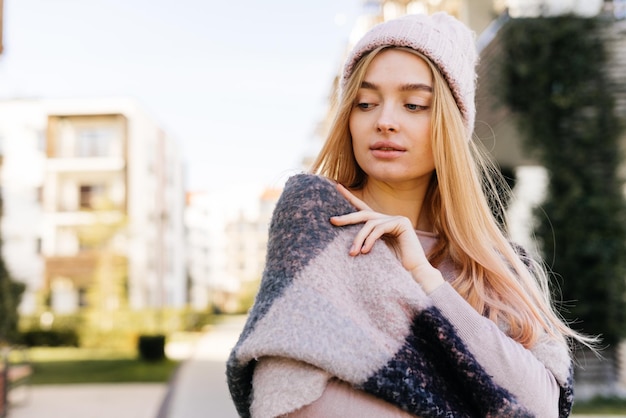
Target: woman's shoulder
307 184
308 201
311 192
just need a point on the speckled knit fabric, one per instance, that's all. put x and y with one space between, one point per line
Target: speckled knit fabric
362 319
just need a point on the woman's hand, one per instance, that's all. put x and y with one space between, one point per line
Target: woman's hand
376 225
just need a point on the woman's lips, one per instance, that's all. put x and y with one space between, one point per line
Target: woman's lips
386 150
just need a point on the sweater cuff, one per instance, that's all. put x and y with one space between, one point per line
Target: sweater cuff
458 311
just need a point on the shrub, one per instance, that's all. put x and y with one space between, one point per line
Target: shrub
151 347
49 338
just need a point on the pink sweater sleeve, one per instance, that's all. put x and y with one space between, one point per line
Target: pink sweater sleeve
510 364
340 400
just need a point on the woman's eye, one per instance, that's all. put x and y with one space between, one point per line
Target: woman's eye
365 106
415 107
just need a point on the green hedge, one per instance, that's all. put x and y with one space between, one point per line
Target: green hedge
49 338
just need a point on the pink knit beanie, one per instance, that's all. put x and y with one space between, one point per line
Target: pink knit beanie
447 42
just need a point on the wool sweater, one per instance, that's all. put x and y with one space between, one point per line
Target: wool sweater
322 315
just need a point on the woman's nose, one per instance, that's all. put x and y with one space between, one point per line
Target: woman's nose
386 121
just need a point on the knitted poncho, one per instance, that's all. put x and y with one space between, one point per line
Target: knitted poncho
362 319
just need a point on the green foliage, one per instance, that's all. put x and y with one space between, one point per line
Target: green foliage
49 338
553 78
60 322
10 295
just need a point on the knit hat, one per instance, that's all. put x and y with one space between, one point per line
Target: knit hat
447 42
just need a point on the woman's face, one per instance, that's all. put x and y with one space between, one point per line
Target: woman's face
390 120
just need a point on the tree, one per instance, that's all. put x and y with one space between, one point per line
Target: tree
554 80
10 295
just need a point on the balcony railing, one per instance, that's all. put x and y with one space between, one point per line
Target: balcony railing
97 164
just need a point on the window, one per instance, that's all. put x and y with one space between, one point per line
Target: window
42 143
39 194
82 297
95 142
91 195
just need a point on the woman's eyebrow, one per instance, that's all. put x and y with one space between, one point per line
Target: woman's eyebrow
416 86
405 87
368 85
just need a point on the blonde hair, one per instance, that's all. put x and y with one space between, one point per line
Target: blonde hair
510 289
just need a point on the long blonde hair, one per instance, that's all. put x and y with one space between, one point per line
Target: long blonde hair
499 283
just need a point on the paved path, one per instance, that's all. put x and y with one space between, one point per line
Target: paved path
199 389
90 401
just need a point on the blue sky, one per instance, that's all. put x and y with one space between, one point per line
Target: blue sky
239 84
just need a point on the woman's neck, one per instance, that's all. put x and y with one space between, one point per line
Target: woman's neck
397 201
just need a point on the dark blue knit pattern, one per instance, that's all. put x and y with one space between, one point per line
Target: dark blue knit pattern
435 375
566 400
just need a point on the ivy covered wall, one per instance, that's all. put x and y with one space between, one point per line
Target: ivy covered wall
553 79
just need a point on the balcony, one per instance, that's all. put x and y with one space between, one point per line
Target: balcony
79 268
82 267
85 165
78 218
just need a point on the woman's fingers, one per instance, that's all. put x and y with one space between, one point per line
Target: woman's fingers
375 225
361 242
354 218
367 236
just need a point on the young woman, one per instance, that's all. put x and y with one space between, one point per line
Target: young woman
390 290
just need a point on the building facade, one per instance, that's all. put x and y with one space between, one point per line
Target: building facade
226 249
93 199
205 223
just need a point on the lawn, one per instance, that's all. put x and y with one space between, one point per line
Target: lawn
79 365
601 406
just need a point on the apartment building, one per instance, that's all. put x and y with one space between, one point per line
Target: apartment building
205 223
93 198
225 249
247 239
247 242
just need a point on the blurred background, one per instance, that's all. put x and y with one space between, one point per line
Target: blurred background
144 144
